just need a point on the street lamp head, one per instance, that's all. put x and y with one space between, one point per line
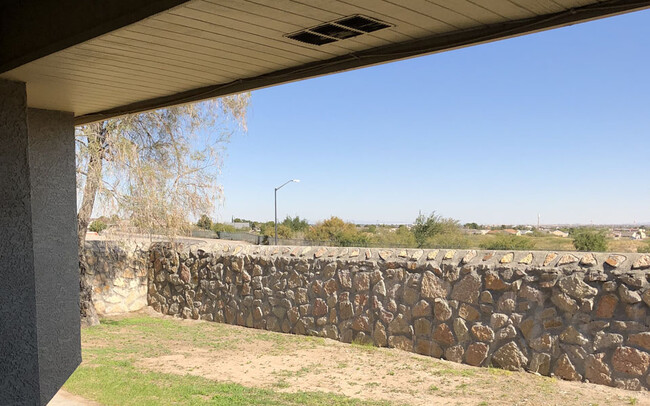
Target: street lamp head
295 180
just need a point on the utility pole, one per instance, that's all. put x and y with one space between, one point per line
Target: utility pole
276 207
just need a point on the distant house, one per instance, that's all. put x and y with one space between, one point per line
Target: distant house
639 235
559 233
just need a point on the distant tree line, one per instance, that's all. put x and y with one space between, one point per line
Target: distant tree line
427 231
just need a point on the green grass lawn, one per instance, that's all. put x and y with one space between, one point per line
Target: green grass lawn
108 374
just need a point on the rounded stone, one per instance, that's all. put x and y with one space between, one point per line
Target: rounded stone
468 289
630 361
565 369
400 342
422 309
483 333
476 354
606 306
509 357
443 335
596 370
454 353
428 347
441 310
641 339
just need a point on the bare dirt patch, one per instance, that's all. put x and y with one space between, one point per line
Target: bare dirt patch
292 363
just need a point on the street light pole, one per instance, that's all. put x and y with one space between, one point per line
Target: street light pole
276 206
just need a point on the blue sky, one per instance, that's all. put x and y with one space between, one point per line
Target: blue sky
556 123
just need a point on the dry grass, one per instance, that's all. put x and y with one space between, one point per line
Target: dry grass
153 360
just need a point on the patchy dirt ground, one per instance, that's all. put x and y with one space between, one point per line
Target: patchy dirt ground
293 363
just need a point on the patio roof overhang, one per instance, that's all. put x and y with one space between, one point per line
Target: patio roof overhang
105 59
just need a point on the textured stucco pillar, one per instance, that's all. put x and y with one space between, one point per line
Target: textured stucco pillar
39 285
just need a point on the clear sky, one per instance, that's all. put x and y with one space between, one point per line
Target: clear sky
556 123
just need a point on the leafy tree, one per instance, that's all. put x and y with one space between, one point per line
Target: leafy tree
98 226
427 227
585 239
296 224
508 242
472 226
204 222
336 230
153 168
267 228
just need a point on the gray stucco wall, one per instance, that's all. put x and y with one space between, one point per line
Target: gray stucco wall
18 346
39 293
53 181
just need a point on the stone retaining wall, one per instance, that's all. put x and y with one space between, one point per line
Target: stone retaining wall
578 316
118 275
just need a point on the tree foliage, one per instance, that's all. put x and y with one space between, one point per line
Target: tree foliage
338 231
389 237
431 226
296 224
508 242
98 226
268 229
157 169
586 239
160 167
204 222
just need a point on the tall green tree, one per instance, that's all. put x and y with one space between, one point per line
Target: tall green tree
204 222
296 224
156 168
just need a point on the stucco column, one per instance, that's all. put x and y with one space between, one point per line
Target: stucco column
39 288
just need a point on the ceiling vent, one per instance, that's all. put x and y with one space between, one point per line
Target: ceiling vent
347 27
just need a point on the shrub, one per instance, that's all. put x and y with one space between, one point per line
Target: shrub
98 226
427 227
219 227
589 240
204 222
508 242
386 237
336 230
644 249
449 240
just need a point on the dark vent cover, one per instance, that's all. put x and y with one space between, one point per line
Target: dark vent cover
310 38
362 23
347 27
335 31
